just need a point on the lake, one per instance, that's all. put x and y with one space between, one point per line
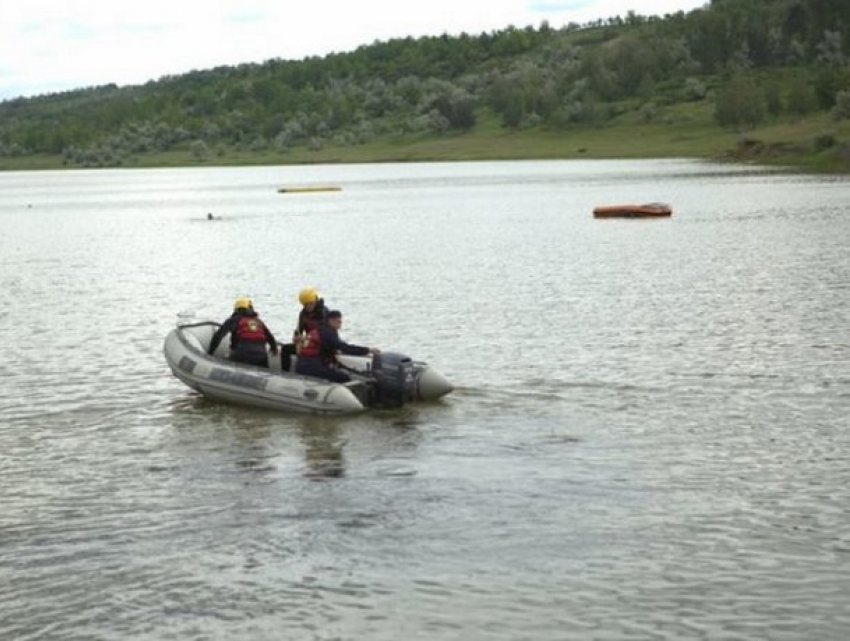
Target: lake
649 438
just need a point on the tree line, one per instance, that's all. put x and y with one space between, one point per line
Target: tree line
753 59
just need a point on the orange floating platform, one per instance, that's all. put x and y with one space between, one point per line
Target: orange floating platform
647 210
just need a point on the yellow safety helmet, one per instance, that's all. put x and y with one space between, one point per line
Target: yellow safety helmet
308 295
243 303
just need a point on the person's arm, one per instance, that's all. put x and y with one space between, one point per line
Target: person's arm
340 345
220 333
299 328
353 350
270 339
332 343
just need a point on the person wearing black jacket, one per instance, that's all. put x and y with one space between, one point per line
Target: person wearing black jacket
318 352
313 313
248 335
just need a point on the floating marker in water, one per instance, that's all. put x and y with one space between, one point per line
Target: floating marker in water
297 190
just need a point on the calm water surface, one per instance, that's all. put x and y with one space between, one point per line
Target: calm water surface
649 440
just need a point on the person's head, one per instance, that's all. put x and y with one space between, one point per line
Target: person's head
335 318
243 304
308 297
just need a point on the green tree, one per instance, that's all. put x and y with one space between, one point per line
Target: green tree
773 98
801 97
740 102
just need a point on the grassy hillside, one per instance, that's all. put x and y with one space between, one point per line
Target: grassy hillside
763 80
689 132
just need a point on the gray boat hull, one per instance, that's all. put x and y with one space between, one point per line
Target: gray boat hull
218 378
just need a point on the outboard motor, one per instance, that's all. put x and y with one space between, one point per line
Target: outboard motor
395 384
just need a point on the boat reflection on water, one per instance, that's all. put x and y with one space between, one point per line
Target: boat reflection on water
383 441
323 445
310 446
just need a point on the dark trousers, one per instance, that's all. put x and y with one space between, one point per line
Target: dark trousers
312 366
286 353
250 354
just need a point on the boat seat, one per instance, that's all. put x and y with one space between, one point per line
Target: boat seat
194 341
275 362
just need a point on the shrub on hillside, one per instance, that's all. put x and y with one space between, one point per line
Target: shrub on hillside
824 142
739 102
801 98
841 110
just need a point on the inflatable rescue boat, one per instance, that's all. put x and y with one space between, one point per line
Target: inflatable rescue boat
386 380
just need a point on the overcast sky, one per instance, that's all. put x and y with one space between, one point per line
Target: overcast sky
54 45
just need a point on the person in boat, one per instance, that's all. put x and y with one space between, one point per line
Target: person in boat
313 313
317 356
248 335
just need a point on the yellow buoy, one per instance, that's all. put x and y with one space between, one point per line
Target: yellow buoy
307 189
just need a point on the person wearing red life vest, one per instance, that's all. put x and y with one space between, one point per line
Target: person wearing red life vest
318 352
313 312
248 335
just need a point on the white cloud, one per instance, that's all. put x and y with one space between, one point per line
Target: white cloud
53 45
